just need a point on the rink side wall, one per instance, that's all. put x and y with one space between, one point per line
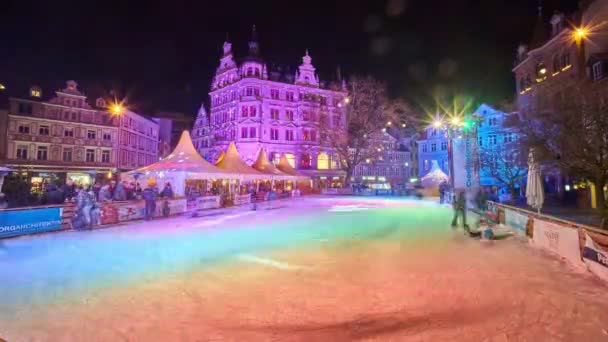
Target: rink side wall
581 245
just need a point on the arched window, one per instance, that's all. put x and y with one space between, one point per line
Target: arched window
322 161
291 159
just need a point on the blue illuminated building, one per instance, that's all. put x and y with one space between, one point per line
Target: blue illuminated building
433 146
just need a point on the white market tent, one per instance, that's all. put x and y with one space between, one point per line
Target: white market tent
232 163
263 165
285 167
434 177
183 163
219 158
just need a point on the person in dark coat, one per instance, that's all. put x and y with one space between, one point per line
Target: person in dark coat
120 193
167 191
460 209
149 196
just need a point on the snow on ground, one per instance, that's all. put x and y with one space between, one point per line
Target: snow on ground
313 269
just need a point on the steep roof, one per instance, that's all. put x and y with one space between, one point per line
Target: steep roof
285 167
263 165
184 158
232 162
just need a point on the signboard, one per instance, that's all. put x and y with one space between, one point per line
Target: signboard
242 199
464 156
207 202
21 222
558 239
516 220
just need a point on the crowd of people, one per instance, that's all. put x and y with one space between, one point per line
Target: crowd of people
88 200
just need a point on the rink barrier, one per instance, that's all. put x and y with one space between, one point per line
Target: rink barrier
579 244
31 220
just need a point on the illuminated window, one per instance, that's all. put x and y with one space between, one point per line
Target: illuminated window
322 161
291 159
35 92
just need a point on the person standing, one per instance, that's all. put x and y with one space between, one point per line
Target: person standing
119 193
84 205
460 209
95 209
167 191
149 196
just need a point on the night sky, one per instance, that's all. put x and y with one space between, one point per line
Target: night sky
162 54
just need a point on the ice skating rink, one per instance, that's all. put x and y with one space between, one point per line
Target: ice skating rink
311 269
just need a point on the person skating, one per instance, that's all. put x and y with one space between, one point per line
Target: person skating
460 209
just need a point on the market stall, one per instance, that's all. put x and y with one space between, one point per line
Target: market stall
184 164
247 176
298 180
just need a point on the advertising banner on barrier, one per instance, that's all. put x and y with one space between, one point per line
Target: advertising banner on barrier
596 257
558 239
516 221
21 222
242 199
207 202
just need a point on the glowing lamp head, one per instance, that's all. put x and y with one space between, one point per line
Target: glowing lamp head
116 109
455 121
390 123
347 100
543 71
2 87
403 125
437 124
580 33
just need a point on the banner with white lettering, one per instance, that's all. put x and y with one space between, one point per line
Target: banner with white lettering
558 239
595 257
29 221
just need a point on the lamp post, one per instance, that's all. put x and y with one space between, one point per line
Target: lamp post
579 35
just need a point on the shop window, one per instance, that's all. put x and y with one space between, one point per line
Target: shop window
43 153
322 161
67 154
90 156
105 156
21 152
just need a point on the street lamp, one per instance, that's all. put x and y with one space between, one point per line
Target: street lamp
580 33
116 109
437 123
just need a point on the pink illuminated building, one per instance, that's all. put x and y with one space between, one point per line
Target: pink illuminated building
276 110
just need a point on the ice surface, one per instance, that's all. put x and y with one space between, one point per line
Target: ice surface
309 270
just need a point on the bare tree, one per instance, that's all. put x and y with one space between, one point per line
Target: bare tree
571 128
506 163
367 110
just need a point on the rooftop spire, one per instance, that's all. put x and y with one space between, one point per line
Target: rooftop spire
253 43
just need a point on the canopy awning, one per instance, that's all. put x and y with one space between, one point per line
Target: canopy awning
186 159
285 167
263 165
232 162
219 158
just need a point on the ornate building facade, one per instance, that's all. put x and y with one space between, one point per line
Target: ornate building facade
257 107
62 136
390 165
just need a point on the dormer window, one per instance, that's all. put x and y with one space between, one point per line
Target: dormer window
35 91
100 103
541 70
